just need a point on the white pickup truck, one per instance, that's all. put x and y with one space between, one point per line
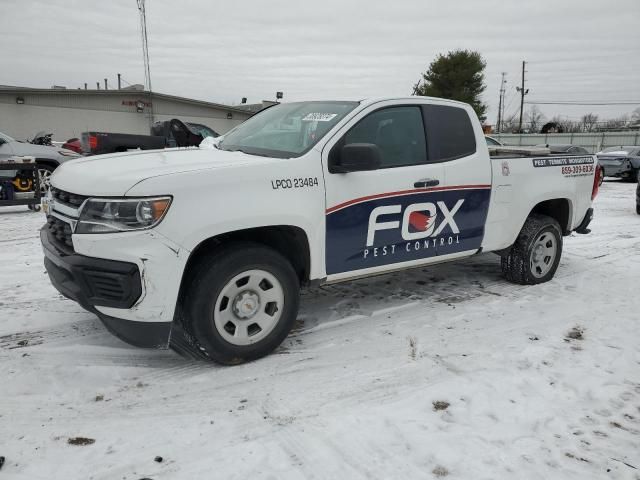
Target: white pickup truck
206 249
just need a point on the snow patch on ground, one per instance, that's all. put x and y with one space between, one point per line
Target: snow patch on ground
541 382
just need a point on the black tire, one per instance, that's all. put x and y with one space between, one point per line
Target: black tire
633 177
206 284
516 263
638 208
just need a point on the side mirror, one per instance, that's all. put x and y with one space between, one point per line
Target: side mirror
355 157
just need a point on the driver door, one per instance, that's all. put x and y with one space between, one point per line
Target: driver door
377 220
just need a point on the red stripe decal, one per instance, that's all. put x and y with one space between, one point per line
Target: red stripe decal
405 192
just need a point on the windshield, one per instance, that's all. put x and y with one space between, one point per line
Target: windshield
202 130
286 130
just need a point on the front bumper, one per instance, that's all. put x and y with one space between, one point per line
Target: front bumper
95 282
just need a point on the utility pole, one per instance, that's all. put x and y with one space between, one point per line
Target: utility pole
119 84
503 82
145 54
523 92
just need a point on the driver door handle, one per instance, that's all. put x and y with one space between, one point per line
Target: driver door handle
426 182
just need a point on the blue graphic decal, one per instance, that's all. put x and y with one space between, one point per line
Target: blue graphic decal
401 228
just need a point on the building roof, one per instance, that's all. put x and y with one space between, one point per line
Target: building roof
256 107
7 89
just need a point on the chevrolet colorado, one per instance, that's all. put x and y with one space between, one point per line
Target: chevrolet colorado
206 249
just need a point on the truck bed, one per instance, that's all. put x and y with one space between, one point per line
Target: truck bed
517 175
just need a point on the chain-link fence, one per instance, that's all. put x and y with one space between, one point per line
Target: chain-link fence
594 142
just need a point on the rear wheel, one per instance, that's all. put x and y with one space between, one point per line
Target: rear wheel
241 303
535 256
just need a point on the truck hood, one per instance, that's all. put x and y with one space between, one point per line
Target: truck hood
115 174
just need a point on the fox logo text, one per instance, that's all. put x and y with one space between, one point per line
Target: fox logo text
418 226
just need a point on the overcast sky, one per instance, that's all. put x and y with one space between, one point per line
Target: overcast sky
582 50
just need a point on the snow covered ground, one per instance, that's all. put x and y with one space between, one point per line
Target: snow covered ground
351 393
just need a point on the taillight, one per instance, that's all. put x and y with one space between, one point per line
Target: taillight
93 142
596 181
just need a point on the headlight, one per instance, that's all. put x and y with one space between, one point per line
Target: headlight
102 215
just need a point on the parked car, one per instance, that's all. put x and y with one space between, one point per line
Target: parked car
205 249
202 130
168 133
48 158
565 148
621 162
73 144
492 142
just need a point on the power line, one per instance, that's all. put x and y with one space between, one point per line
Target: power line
509 103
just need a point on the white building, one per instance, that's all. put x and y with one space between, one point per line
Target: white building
67 113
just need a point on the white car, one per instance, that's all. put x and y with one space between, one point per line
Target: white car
206 249
47 157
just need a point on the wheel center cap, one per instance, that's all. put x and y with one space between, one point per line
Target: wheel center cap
246 304
537 254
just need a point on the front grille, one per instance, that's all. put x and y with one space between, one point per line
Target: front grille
59 233
106 285
67 198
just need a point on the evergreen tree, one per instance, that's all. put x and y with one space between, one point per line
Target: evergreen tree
458 75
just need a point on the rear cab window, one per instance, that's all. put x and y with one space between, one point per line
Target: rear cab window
449 131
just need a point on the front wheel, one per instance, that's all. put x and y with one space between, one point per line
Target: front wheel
241 303
632 177
535 256
44 174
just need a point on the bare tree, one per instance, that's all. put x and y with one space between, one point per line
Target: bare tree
510 124
589 122
535 119
568 126
615 123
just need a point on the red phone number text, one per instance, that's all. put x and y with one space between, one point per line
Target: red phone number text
577 169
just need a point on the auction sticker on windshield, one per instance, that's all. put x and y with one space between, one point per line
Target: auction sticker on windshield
319 117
